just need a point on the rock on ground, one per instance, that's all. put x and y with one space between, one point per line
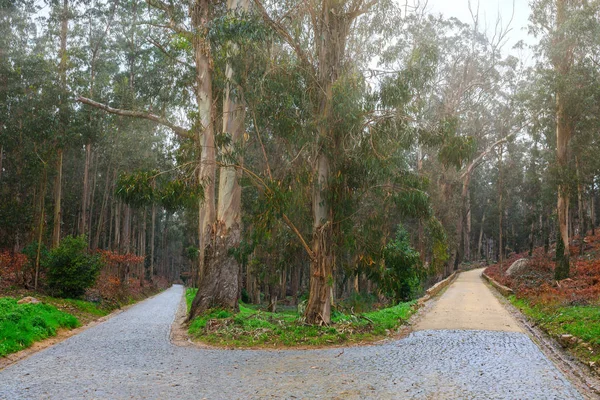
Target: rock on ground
517 267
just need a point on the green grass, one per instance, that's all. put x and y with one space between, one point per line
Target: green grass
580 321
23 324
190 293
252 327
81 306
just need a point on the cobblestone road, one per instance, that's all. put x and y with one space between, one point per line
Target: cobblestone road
130 357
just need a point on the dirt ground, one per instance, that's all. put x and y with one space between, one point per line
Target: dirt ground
468 304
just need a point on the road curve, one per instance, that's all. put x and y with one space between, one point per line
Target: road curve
130 357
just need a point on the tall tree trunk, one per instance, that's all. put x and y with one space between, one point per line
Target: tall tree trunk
500 208
564 131
219 270
62 71
152 238
201 15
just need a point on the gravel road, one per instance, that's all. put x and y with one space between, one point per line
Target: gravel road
130 357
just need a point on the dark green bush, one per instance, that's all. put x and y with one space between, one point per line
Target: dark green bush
71 269
401 275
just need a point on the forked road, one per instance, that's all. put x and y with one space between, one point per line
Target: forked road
466 347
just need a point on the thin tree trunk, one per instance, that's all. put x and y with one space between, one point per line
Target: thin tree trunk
101 216
479 243
580 209
500 208
62 71
593 207
126 229
117 227
83 224
57 200
40 229
152 238
564 132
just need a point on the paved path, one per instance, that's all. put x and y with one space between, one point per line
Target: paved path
130 357
469 304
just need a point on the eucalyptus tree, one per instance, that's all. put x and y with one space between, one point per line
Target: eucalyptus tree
564 47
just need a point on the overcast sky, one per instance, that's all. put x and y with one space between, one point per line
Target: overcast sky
488 11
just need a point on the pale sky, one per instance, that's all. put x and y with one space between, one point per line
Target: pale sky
489 11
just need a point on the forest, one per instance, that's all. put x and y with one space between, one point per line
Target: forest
290 152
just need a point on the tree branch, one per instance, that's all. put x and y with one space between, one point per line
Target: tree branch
484 153
168 9
179 131
166 52
285 35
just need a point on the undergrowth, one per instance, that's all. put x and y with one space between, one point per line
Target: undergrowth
252 327
23 324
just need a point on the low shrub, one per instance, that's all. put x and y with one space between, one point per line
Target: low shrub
71 269
401 275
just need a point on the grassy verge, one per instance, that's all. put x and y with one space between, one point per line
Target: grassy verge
23 324
84 311
255 328
582 322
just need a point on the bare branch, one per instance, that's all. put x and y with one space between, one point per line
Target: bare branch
484 153
168 9
166 52
285 35
179 131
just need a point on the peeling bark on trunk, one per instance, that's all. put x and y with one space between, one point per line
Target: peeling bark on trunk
318 310
219 271
200 14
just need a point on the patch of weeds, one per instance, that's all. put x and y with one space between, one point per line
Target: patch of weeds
23 324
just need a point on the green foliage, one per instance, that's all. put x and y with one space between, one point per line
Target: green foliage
457 151
142 188
401 274
71 269
256 328
23 324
